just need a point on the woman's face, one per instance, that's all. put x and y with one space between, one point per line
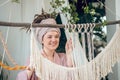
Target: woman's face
51 40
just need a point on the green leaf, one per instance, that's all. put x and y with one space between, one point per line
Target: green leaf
17 1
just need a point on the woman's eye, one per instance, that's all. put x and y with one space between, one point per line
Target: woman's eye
57 36
49 36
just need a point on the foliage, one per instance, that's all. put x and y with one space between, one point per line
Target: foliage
17 1
84 11
4 73
68 10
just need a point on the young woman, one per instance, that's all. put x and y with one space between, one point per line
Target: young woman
49 39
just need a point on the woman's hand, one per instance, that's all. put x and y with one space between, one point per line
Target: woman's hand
69 49
30 71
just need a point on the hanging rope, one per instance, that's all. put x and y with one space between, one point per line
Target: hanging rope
6 49
16 67
6 39
5 45
4 3
12 68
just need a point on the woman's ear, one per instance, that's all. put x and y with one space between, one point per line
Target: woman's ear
42 42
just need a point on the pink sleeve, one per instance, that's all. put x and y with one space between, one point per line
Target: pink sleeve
22 75
63 58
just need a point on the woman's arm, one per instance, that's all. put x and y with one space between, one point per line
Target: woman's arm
28 74
69 49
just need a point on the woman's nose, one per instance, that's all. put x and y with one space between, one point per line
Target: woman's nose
54 39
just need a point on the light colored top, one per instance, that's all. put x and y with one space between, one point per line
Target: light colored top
59 58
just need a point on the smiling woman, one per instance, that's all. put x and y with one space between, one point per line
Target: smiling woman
49 39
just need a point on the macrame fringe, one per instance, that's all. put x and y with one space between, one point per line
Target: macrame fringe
93 70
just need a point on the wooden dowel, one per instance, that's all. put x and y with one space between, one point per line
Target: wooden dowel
14 24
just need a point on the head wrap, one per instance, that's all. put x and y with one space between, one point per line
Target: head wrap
40 32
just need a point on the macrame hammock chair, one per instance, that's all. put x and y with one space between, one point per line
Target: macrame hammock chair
83 68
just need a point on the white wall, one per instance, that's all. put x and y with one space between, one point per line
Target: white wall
18 40
113 11
118 18
12 12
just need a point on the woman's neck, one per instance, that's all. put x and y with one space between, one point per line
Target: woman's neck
49 53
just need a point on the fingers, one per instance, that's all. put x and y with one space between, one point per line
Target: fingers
69 46
30 68
29 71
27 68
